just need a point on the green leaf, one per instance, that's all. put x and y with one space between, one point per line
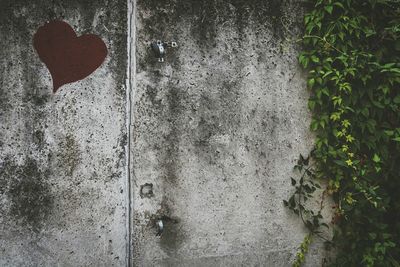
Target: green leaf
314 125
303 60
311 82
397 99
389 132
377 104
329 9
314 59
325 91
372 236
341 163
311 104
338 4
376 158
388 65
369 32
327 73
365 112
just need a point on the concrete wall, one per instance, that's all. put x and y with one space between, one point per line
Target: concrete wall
217 129
62 158
214 133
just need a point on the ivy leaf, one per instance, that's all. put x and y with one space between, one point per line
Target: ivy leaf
395 70
372 235
293 181
327 73
389 132
329 9
341 163
311 104
311 82
376 158
303 60
369 32
325 91
339 4
377 104
397 99
314 58
314 125
388 65
365 112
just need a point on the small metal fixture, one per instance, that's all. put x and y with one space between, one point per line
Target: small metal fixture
159 48
160 227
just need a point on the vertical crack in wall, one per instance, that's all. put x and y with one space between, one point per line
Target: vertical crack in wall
130 83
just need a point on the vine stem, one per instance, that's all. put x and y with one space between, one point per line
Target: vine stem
312 232
324 40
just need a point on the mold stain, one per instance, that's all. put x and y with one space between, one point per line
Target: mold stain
171 161
172 237
28 193
69 154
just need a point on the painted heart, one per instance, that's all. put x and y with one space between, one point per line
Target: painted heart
68 57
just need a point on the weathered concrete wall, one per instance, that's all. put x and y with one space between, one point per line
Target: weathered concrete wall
217 129
62 159
215 132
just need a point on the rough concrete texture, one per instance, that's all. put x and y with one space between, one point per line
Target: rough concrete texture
217 129
215 133
62 159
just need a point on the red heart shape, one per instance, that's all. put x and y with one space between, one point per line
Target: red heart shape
69 58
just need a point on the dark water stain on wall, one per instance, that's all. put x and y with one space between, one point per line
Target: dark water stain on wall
172 236
262 12
205 17
27 191
175 100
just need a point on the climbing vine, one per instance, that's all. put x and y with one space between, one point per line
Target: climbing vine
351 50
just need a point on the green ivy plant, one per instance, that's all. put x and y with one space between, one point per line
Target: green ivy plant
351 50
305 188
